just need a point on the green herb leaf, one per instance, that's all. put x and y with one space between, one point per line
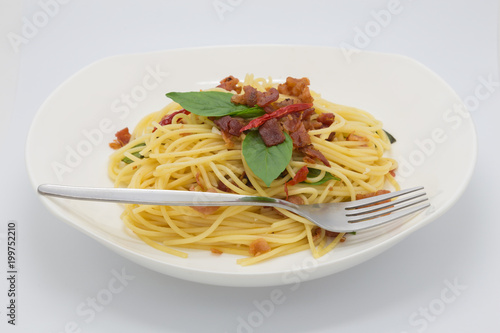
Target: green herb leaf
267 163
136 154
315 173
213 104
253 112
391 138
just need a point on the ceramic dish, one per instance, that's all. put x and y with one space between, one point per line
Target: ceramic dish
68 142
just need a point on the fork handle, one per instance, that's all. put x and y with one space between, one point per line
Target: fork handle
160 197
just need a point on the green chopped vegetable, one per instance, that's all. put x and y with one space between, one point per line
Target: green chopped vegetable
315 173
391 138
136 154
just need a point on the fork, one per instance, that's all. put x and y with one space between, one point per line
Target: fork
342 217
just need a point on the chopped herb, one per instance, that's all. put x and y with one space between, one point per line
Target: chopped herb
391 138
136 154
315 173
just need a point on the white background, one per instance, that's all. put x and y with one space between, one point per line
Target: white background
406 289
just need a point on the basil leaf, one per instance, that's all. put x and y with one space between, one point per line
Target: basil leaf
389 135
136 154
213 104
253 112
267 163
315 173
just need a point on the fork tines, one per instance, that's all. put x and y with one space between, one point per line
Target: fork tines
387 207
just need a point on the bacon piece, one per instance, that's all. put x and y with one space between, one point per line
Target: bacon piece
122 138
258 247
355 137
199 181
276 114
270 108
252 97
205 210
266 98
300 136
230 83
298 88
285 102
228 139
249 97
373 194
223 187
334 234
326 119
317 233
369 195
393 172
271 133
300 176
231 125
296 200
291 122
313 153
215 251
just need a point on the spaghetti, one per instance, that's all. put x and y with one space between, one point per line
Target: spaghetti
175 149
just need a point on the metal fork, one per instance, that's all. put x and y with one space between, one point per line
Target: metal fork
339 217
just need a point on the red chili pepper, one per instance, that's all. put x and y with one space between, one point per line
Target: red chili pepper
167 120
300 176
277 114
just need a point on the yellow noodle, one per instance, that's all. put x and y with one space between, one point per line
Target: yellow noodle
190 154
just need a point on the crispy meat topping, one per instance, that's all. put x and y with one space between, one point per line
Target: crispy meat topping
258 247
249 97
252 97
300 136
267 97
296 200
298 88
230 83
373 194
231 125
215 251
326 119
122 138
271 132
355 137
205 210
313 153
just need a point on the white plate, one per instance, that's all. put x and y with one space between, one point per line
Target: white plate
68 142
